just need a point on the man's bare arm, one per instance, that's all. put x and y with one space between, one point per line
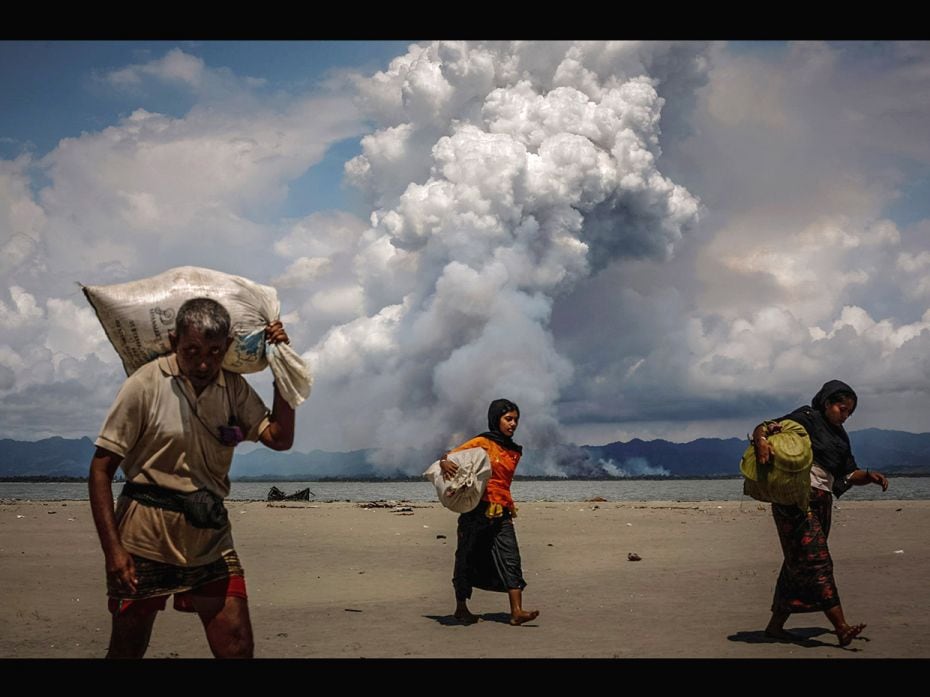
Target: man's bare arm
279 435
119 564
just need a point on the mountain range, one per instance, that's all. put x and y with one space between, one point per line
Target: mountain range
892 452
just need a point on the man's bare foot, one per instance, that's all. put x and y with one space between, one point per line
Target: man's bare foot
848 633
466 617
782 634
522 616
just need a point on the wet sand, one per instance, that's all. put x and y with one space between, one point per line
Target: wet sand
330 580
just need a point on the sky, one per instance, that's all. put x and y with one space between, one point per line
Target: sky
629 239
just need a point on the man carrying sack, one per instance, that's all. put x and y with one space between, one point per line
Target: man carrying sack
173 428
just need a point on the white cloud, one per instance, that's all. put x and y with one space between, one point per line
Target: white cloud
174 66
147 193
24 310
75 331
798 273
913 262
304 270
155 191
524 177
535 232
22 220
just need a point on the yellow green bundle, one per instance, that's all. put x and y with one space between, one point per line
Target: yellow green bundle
786 478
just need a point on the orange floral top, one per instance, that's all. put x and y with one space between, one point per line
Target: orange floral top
503 465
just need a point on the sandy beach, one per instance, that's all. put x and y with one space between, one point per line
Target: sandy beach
340 580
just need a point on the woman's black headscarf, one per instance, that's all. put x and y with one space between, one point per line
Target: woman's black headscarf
831 392
496 410
830 443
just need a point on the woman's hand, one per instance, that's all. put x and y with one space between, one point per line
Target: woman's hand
763 450
447 467
761 444
873 477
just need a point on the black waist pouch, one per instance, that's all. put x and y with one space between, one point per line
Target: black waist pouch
201 508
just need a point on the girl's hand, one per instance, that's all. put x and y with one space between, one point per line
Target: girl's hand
448 467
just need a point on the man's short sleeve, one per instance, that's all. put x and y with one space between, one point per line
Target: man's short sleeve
126 419
250 409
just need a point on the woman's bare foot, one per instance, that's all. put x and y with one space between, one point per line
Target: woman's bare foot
848 633
782 634
521 616
775 629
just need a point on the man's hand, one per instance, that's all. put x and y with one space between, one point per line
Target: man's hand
121 569
275 334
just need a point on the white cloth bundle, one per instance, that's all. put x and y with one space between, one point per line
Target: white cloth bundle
138 315
463 492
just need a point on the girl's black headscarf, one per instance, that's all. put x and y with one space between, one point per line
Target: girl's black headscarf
496 410
830 443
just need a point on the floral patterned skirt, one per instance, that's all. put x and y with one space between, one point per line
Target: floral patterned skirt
805 583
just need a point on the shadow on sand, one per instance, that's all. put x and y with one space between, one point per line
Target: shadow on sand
500 617
805 638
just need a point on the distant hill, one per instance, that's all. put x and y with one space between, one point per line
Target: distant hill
889 451
51 457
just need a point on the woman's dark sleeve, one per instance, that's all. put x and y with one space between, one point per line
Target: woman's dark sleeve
840 485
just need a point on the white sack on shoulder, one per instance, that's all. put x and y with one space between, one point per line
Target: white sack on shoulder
463 492
138 315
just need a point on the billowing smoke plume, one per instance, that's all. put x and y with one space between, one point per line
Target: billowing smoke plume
499 175
633 467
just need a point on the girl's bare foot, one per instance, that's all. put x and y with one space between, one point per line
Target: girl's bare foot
466 617
848 633
520 616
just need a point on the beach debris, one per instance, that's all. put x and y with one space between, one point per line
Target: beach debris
275 494
597 499
20 516
379 504
426 526
440 537
633 556
51 512
630 525
898 510
899 551
351 609
282 635
594 508
550 545
403 509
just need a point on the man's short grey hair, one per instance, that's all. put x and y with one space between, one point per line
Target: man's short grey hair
204 315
